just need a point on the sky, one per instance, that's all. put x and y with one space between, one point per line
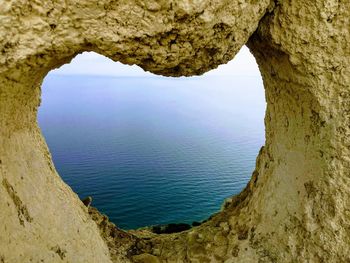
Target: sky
90 63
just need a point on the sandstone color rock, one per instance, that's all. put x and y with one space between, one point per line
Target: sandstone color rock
296 206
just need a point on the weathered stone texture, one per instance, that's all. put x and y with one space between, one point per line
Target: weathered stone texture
296 206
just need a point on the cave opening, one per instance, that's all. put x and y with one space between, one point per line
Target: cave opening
153 150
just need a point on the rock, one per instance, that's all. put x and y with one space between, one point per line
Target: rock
170 228
145 258
195 223
297 201
87 201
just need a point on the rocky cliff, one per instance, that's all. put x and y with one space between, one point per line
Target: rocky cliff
296 206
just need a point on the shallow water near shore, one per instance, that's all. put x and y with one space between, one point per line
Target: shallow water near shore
154 150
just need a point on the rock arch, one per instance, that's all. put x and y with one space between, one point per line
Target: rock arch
296 206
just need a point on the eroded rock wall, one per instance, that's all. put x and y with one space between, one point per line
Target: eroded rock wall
41 218
296 206
303 51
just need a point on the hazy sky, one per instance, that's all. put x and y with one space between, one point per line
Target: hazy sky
91 63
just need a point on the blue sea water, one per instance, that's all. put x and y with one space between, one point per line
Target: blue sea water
154 150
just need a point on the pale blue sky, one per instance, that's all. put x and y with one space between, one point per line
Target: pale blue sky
91 63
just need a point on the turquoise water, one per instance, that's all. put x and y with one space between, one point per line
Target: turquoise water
154 150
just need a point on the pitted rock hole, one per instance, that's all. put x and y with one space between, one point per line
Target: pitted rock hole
152 150
303 54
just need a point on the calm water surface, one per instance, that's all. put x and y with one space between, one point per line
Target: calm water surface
154 150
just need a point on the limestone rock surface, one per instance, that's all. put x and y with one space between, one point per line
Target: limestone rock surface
296 206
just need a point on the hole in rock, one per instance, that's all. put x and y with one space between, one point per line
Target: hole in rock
149 149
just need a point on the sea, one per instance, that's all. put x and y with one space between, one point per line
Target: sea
154 150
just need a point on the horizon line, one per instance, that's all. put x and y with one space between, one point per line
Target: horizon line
145 76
